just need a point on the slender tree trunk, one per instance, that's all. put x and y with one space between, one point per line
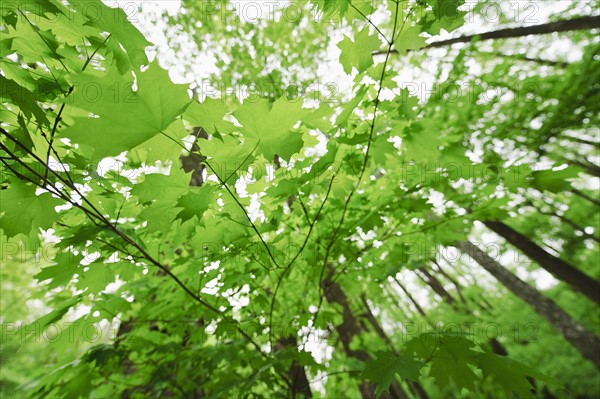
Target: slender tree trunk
453 281
582 23
410 297
348 329
556 266
481 301
583 195
495 345
299 387
436 285
589 168
580 140
193 161
571 223
416 388
584 341
523 57
393 295
368 314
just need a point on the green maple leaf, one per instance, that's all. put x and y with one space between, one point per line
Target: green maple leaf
25 211
61 273
511 375
227 156
351 105
96 278
34 44
123 118
421 144
553 180
409 39
162 187
162 147
195 202
342 6
22 98
163 191
384 368
445 16
446 8
444 370
160 216
72 32
358 53
53 316
359 9
333 7
115 21
450 356
210 115
269 127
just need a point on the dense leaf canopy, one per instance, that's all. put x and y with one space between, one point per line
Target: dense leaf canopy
324 198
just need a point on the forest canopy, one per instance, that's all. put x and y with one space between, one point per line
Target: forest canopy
298 199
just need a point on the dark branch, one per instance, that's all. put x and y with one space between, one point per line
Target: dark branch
581 23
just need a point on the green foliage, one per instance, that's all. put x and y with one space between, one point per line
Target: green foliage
24 210
271 134
384 368
357 53
161 243
125 118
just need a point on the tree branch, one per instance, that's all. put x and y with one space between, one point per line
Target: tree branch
581 23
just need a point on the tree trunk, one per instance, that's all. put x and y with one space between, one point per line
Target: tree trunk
556 266
522 57
589 168
299 387
410 297
495 345
580 140
416 388
581 23
393 296
585 196
571 223
193 161
350 328
437 286
454 282
585 342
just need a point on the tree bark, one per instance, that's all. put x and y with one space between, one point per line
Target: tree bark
415 387
540 61
193 161
581 23
523 57
589 168
437 286
580 140
410 297
454 282
350 328
585 342
299 387
583 195
571 223
559 268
